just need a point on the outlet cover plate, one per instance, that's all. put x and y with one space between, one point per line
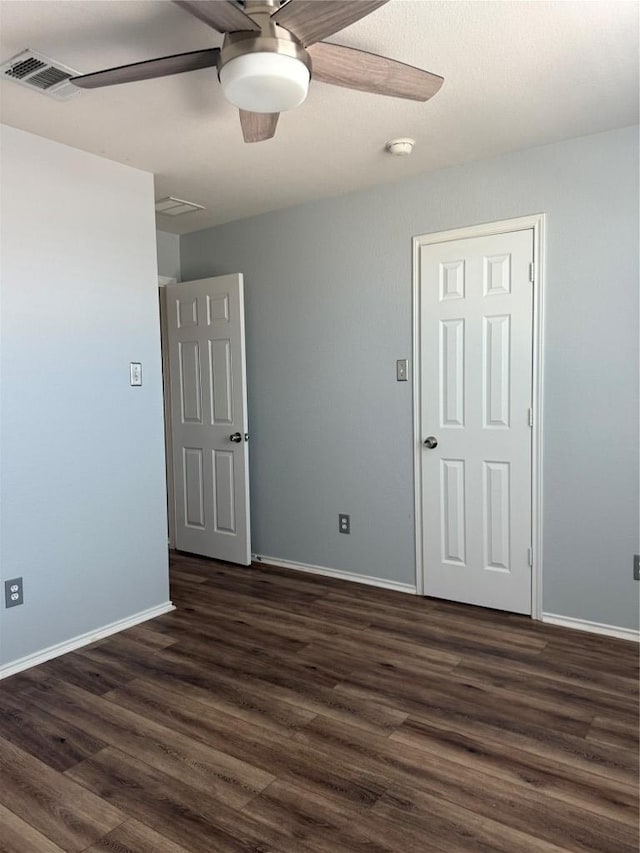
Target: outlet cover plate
13 592
344 523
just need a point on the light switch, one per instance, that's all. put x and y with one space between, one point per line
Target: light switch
135 373
402 370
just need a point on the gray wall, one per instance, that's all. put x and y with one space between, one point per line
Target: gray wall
168 247
328 302
82 455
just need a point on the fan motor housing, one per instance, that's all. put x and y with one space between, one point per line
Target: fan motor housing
281 41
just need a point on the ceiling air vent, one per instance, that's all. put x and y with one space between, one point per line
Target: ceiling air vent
38 72
171 206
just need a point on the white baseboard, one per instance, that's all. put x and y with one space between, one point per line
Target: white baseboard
336 573
83 640
592 627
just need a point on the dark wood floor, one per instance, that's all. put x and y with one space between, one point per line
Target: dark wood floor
275 711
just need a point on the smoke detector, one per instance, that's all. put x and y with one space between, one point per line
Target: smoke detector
41 74
400 147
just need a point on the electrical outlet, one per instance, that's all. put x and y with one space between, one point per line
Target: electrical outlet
13 593
344 523
402 370
636 567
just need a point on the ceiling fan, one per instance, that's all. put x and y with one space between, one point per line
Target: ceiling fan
271 50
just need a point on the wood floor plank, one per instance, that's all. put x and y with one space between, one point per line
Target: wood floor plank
297 685
564 748
280 609
584 701
383 651
18 836
55 806
521 805
623 735
532 706
78 668
146 636
485 635
453 828
266 749
229 779
342 663
184 575
510 626
167 703
567 783
475 703
235 632
265 619
261 586
177 811
135 837
566 672
278 711
58 743
439 635
330 826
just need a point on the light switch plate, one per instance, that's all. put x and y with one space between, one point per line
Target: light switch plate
135 373
402 370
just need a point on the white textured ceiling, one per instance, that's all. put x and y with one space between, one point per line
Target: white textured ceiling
517 74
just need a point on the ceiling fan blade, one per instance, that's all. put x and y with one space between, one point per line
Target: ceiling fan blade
368 72
257 127
223 15
162 67
314 20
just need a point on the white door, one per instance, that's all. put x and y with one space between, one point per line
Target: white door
205 321
476 316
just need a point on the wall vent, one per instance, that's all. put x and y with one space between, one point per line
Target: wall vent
171 206
40 73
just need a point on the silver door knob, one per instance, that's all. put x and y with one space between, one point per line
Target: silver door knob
431 442
236 437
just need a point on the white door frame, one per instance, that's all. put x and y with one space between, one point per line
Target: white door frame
163 281
537 224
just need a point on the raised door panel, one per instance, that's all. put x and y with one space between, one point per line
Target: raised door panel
452 373
220 376
224 488
496 516
186 313
452 511
193 487
496 378
452 280
190 382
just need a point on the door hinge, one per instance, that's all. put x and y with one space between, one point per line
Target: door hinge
530 556
530 417
532 272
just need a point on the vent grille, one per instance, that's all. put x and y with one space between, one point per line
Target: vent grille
171 206
48 77
24 67
40 73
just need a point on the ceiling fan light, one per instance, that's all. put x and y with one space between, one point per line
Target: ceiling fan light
265 82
